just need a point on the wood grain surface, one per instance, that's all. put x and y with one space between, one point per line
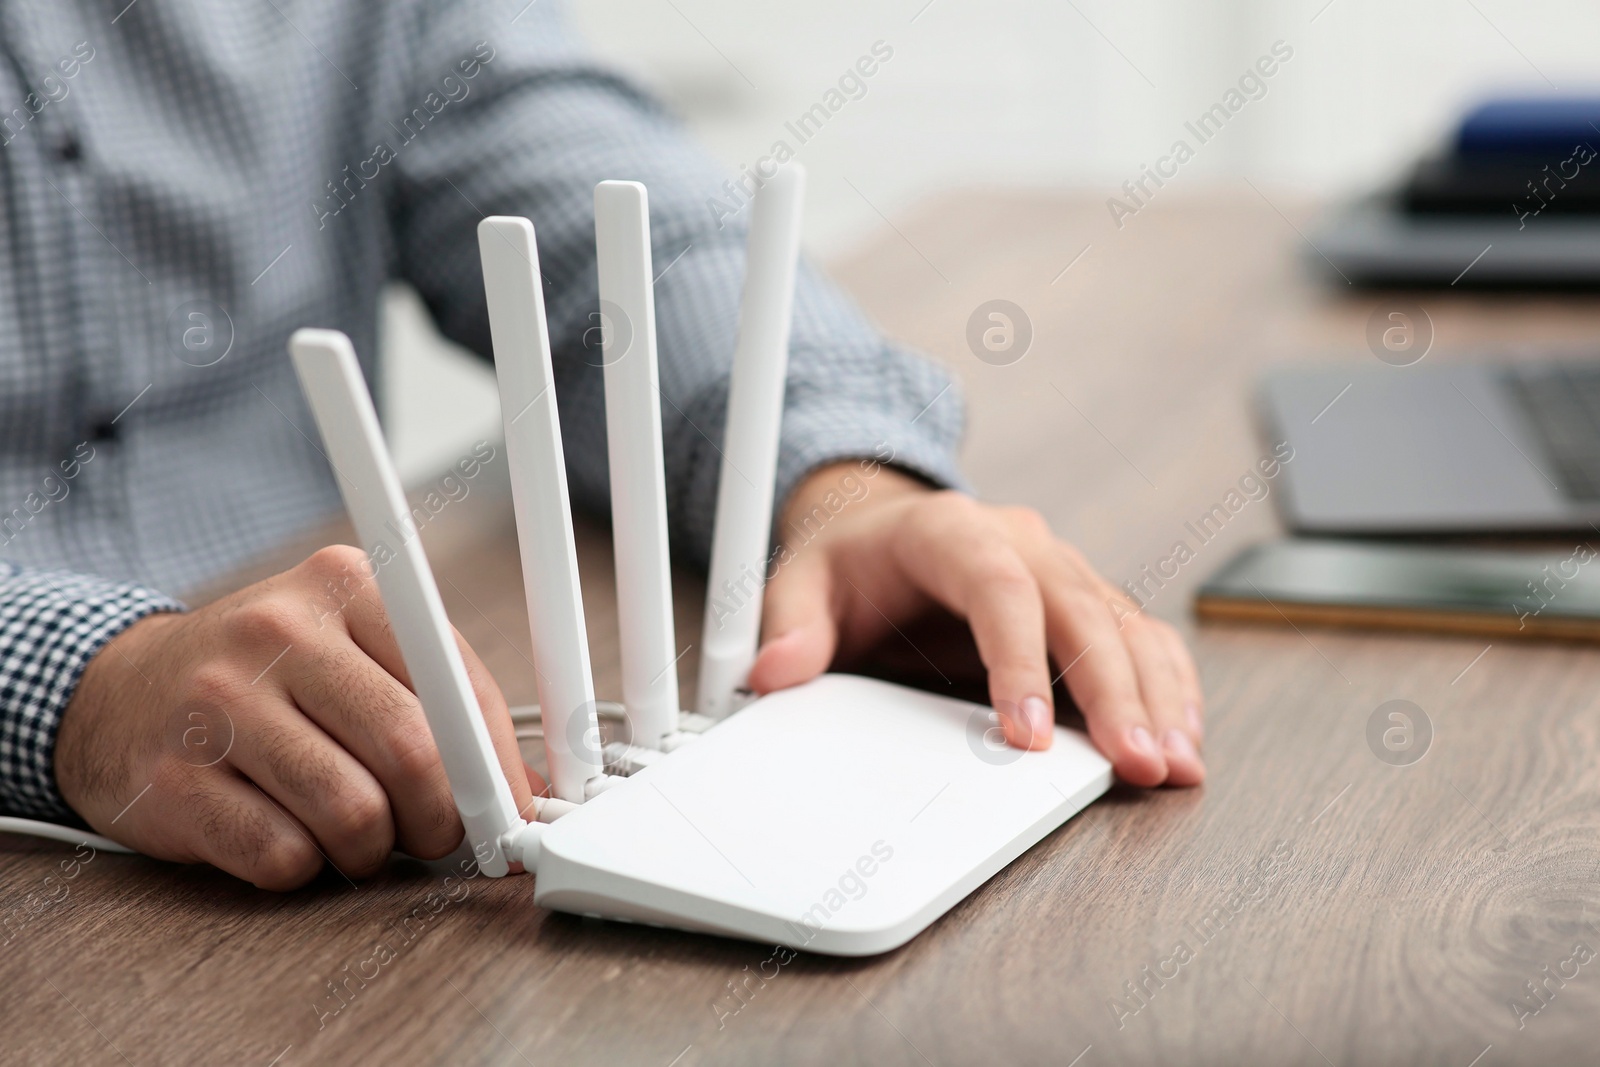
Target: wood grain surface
1312 904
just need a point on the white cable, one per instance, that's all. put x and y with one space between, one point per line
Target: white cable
605 709
68 834
527 721
620 757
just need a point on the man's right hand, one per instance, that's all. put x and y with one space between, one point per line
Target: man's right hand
268 731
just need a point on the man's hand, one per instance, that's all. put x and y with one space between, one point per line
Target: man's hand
268 731
885 550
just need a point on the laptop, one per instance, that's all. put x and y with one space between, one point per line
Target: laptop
1463 449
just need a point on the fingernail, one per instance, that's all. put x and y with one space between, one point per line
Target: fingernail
1178 744
1140 738
1192 713
1039 720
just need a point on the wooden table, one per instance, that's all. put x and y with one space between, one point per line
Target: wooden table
1405 907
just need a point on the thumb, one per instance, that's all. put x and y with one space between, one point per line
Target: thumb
799 633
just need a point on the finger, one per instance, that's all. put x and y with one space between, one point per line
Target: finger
345 690
425 823
1163 699
1098 670
965 562
237 828
1087 639
799 631
1166 648
1194 701
298 765
536 783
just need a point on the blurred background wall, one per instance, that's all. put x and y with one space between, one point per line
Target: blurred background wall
1066 94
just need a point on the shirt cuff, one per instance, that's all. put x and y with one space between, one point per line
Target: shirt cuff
52 623
876 403
821 434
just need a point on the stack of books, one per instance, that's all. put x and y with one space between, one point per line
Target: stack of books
1512 199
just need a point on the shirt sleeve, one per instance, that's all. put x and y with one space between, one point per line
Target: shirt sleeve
533 130
51 625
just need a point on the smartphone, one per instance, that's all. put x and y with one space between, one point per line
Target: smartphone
1371 584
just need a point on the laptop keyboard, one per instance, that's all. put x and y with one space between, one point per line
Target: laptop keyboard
1562 407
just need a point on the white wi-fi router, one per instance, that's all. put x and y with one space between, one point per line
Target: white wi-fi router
841 816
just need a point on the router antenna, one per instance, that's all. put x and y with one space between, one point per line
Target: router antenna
331 379
638 479
511 282
743 530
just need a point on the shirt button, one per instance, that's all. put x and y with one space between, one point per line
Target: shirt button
104 429
69 149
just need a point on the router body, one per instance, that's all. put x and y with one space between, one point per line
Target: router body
842 816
